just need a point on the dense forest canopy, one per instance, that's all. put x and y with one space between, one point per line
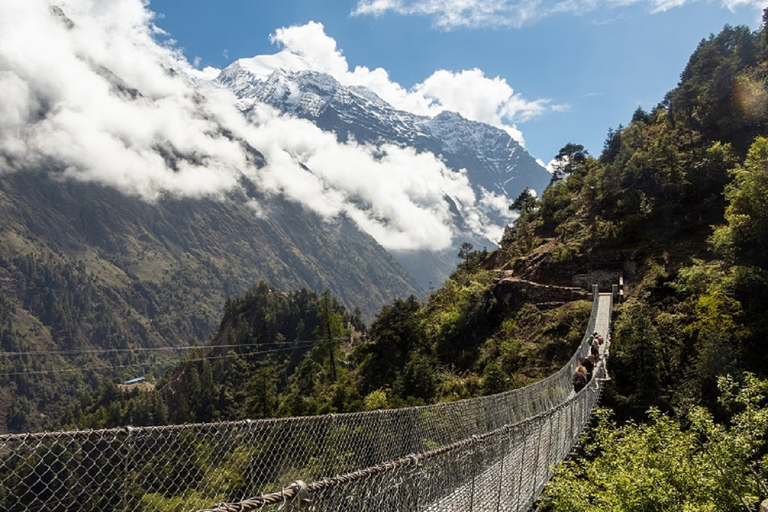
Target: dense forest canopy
682 190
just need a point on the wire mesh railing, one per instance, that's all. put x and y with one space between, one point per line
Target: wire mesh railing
487 453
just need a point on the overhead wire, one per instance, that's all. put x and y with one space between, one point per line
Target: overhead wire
294 346
152 349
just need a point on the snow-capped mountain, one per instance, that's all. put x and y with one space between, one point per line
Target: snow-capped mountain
492 159
497 167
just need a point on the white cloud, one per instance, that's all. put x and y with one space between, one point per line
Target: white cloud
111 105
476 97
310 42
393 193
754 4
665 5
98 98
453 14
468 92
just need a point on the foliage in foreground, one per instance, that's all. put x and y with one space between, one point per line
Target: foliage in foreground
670 464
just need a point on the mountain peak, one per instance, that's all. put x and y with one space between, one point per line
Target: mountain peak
449 115
491 157
497 167
262 66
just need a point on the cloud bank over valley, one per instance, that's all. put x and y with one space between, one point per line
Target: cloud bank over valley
90 91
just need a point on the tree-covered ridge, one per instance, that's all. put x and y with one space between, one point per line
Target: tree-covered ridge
678 195
87 269
299 353
663 174
679 191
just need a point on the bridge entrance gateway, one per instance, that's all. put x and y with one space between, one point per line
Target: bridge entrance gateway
488 453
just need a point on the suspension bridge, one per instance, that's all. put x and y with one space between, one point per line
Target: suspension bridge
493 453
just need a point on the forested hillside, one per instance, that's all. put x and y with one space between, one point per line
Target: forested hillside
675 202
95 279
681 191
299 353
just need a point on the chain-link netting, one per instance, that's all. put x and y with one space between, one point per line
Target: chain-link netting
488 453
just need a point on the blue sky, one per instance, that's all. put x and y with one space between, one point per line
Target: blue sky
586 65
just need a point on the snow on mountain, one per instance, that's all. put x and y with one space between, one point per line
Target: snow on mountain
492 159
498 168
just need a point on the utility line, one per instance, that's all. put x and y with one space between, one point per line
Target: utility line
154 349
133 365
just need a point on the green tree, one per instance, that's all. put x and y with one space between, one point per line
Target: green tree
612 145
472 258
568 160
525 202
520 239
465 252
719 335
396 335
744 239
262 393
493 379
709 100
19 414
205 398
330 328
663 466
418 380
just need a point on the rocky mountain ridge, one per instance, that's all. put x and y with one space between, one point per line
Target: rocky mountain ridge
497 166
491 157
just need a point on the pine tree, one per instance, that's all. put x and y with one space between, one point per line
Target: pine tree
331 327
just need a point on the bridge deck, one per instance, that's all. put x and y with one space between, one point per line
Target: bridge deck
487 453
465 496
603 318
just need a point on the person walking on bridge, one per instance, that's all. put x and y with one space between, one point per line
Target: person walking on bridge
595 346
580 378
